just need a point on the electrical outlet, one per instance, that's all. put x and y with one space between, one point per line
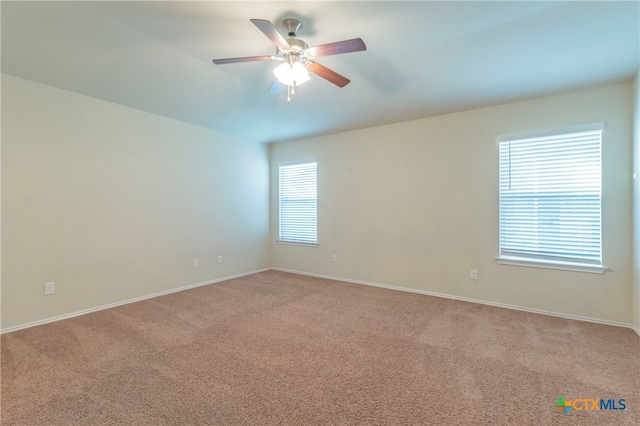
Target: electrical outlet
334 258
219 260
473 274
196 263
49 288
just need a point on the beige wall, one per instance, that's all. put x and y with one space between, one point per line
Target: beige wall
636 203
415 205
113 203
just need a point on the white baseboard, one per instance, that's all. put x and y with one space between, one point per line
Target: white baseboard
126 302
465 299
391 287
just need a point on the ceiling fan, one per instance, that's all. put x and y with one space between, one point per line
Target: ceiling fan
298 57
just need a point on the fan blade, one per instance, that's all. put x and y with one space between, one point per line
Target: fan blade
243 59
327 74
276 87
270 31
345 46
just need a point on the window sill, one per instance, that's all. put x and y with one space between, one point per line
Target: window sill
548 264
297 243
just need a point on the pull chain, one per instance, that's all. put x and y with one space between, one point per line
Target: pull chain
291 91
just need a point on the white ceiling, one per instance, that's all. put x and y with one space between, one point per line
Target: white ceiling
423 58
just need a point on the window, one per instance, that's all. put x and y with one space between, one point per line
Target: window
298 202
550 199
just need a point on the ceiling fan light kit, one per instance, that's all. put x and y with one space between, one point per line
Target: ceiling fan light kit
298 57
292 74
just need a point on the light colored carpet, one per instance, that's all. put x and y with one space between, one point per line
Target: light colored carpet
278 348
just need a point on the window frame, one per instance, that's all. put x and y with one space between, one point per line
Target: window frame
293 241
536 262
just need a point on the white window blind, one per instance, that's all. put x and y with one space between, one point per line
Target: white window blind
550 197
298 203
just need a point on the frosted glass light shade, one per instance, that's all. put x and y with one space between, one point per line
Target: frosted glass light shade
288 74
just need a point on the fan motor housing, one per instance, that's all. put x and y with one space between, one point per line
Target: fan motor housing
297 44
